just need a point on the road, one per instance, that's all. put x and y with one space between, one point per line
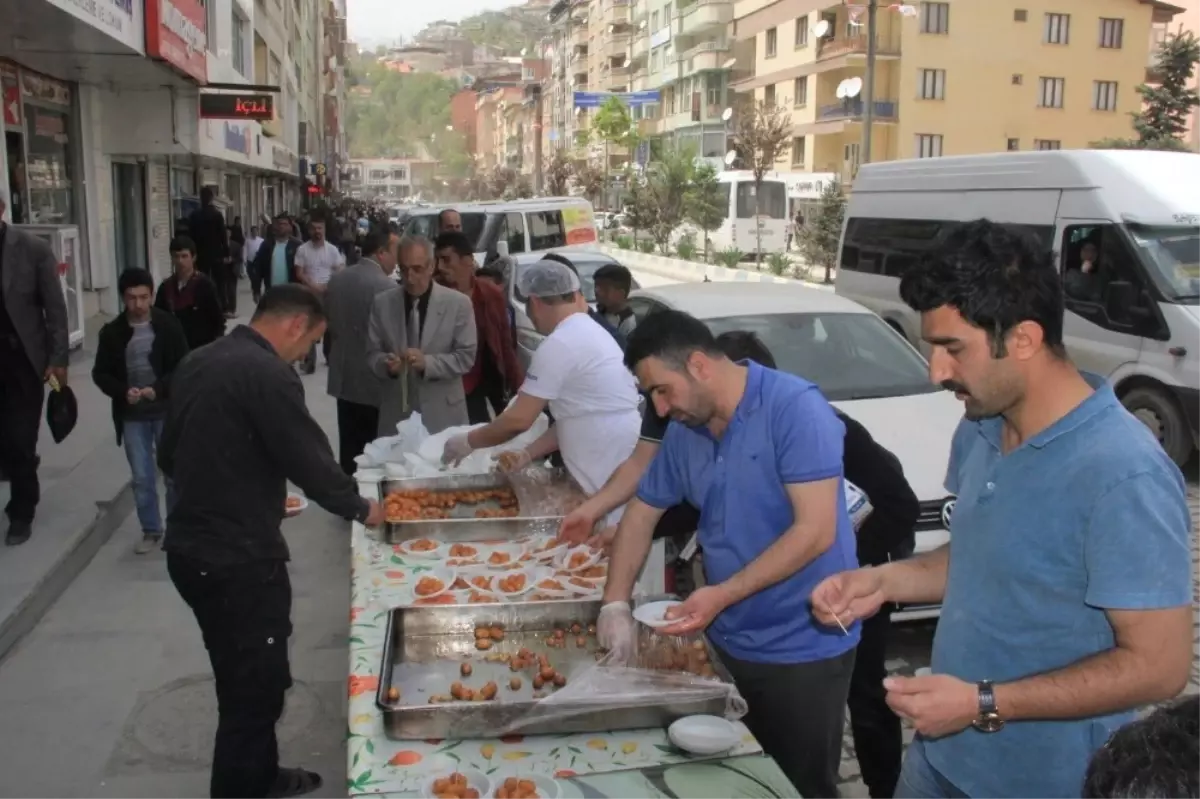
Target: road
111 694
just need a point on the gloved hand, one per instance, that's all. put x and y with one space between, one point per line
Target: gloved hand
513 460
617 632
457 448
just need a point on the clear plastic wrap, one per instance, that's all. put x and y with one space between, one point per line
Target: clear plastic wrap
543 491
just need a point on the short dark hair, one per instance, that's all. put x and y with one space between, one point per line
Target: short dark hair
458 242
562 259
996 278
490 272
207 195
290 299
376 240
318 215
182 244
742 345
442 213
1154 757
672 337
133 278
616 276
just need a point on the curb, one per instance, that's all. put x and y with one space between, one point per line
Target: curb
695 272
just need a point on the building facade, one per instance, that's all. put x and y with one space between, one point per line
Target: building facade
389 179
1056 75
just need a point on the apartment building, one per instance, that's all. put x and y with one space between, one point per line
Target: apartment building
955 77
388 179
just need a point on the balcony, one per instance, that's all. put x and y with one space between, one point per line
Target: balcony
886 46
885 110
617 13
579 37
617 44
704 15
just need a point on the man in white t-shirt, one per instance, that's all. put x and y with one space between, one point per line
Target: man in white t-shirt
579 372
316 261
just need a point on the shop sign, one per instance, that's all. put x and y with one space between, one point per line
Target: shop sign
176 32
237 139
10 96
283 160
40 89
237 106
114 17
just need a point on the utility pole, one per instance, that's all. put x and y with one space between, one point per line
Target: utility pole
869 88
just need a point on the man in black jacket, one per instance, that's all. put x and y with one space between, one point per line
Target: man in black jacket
237 431
206 227
136 355
191 296
273 270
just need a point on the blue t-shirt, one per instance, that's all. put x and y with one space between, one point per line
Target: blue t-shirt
783 432
1086 516
279 267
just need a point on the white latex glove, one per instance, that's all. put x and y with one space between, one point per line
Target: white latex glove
457 449
617 632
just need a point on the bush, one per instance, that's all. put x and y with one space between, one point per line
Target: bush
686 247
730 257
646 246
624 241
778 263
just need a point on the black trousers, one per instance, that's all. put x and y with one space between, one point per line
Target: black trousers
358 425
485 394
256 282
225 276
21 396
876 729
797 711
244 613
310 360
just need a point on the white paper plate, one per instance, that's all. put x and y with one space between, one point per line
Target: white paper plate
476 779
532 575
437 553
534 547
704 735
444 573
514 552
547 786
563 558
651 614
296 511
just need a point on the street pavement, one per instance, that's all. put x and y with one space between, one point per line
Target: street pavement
111 693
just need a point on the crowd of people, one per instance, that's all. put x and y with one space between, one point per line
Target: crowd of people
1066 596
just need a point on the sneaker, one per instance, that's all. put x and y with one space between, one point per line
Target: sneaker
148 544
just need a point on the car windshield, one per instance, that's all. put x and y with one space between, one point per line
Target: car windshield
586 267
848 355
1172 254
426 225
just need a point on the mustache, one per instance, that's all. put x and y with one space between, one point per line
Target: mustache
958 388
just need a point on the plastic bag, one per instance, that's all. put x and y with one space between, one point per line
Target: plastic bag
392 449
425 459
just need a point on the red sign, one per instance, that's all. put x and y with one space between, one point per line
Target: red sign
237 106
12 106
176 32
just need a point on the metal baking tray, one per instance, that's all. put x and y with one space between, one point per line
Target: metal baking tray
465 527
424 648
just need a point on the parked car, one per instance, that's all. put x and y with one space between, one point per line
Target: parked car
863 367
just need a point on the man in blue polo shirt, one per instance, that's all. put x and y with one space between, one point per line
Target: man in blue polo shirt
1066 588
760 453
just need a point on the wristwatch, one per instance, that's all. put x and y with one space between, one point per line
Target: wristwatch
988 719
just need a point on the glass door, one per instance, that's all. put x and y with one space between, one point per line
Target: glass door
129 218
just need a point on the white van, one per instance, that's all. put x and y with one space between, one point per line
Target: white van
1136 321
535 225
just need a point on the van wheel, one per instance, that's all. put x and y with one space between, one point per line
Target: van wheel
1158 411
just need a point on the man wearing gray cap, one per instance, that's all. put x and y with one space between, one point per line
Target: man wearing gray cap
579 372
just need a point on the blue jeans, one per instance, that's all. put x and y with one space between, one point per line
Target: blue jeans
141 445
920 780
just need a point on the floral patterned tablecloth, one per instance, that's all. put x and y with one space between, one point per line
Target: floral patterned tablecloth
382 578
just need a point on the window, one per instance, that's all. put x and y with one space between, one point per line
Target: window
378 176
1014 145
1112 292
772 42
512 230
929 145
400 174
773 201
1112 31
798 151
237 43
1017 79
546 230
769 95
1050 92
1058 29
1047 144
1020 15
935 17
1104 95
802 31
800 89
932 83
210 8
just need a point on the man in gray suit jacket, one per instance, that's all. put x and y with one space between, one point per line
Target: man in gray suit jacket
348 300
33 348
422 340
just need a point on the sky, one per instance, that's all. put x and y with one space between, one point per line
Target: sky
383 20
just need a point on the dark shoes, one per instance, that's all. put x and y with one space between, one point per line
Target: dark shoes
294 782
18 533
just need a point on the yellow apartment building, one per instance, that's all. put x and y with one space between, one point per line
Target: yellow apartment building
953 78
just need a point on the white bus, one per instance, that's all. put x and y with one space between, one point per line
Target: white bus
745 212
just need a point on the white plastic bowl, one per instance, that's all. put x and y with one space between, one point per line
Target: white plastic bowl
437 553
298 509
514 552
547 787
653 614
444 573
476 779
532 575
704 735
562 559
552 548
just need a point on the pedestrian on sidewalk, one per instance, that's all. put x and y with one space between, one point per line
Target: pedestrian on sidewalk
206 227
237 431
136 355
33 349
191 296
317 260
250 252
237 266
275 261
348 301
1068 581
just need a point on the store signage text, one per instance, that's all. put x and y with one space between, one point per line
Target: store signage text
283 160
176 32
114 17
237 139
237 106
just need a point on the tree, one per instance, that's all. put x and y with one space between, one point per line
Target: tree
641 213
706 204
1163 120
763 132
613 124
501 182
820 239
557 173
667 183
589 179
